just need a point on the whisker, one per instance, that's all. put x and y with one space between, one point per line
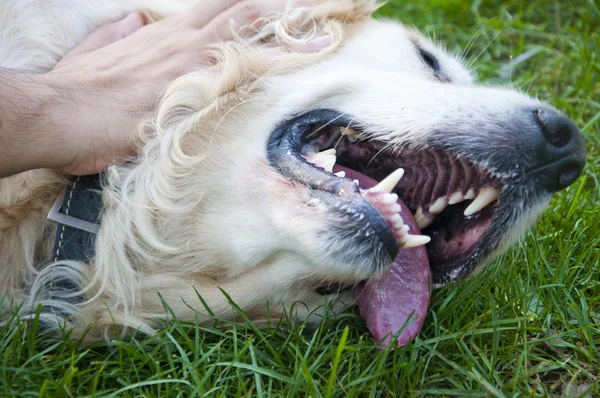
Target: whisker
345 130
474 38
471 62
531 81
387 146
327 124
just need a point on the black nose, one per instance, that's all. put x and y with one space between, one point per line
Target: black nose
561 153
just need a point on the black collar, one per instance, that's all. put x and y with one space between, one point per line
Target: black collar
77 212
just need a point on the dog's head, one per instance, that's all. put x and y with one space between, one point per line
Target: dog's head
262 176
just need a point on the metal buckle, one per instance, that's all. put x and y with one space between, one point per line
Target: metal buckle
72 222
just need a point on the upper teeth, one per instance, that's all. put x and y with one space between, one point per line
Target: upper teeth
486 196
438 206
325 159
456 197
470 195
422 220
351 134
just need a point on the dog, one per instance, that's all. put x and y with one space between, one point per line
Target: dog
370 173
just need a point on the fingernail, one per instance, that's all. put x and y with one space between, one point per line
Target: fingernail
131 23
314 45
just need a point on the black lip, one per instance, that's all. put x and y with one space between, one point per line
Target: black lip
341 195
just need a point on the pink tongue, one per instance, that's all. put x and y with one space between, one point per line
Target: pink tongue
398 301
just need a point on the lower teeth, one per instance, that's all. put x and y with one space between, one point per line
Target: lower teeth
384 201
380 197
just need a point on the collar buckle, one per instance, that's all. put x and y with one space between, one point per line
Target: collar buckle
56 216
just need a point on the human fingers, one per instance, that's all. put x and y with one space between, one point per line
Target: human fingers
200 15
312 46
247 13
108 34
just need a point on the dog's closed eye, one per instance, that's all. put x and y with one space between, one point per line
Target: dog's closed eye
433 64
430 61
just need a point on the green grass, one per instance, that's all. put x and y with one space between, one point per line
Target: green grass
529 325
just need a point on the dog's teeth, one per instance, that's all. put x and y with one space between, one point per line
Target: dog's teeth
389 199
470 195
340 174
327 152
415 240
485 197
438 206
422 220
325 159
389 182
396 219
351 134
456 197
355 182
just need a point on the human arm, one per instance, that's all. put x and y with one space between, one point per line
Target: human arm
82 115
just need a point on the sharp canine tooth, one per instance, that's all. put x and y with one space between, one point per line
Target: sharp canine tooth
389 182
485 197
340 174
415 240
457 197
356 182
438 206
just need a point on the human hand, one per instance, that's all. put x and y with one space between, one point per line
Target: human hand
114 78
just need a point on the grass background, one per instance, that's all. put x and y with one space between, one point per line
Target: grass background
529 325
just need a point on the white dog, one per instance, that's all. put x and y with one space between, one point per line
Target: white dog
260 178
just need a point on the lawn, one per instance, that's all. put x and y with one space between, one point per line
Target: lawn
529 324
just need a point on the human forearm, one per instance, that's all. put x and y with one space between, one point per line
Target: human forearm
29 135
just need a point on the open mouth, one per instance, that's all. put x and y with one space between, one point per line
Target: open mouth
451 200
425 196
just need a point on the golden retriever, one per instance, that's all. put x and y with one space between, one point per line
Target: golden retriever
366 173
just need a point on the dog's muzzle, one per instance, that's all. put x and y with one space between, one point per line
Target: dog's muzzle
464 190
